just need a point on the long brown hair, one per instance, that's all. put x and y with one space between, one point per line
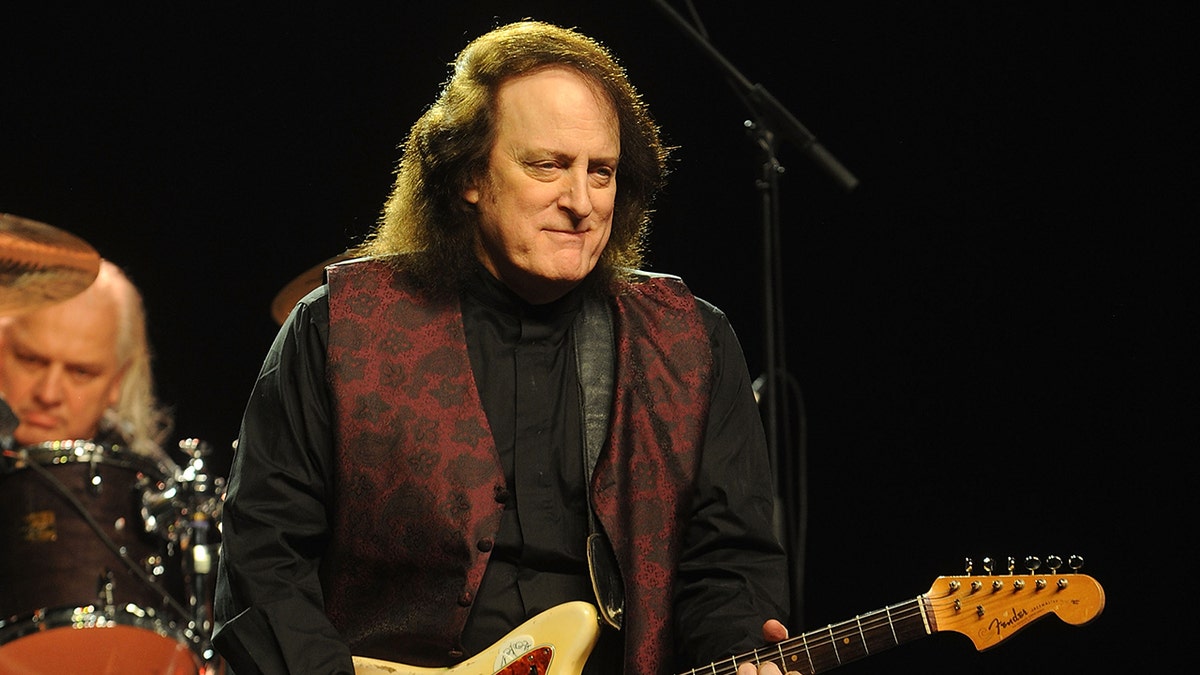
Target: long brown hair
449 145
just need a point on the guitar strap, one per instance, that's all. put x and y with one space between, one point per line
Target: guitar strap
594 359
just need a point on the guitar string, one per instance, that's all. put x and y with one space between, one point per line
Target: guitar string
832 634
803 645
842 632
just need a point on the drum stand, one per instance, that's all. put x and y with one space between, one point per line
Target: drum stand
192 504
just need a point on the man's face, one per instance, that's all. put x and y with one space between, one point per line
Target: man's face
546 201
59 369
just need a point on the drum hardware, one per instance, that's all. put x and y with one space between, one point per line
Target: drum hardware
106 592
8 426
179 506
95 484
67 508
184 510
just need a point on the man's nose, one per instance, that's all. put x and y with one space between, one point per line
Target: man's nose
576 196
49 390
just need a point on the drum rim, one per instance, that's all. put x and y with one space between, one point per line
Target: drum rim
71 451
49 618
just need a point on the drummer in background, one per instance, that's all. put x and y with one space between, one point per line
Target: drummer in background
80 369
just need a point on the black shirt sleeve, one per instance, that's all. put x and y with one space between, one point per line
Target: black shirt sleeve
733 571
269 611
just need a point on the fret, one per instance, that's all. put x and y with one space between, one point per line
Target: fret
822 650
914 623
862 636
808 655
891 625
783 658
848 641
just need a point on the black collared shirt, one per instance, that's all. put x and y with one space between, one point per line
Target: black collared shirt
525 371
732 573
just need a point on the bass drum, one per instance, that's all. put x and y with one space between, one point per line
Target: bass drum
95 641
83 586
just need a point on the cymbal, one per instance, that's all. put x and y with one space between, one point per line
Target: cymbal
301 286
41 264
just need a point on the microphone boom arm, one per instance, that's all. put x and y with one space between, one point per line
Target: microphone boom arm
780 119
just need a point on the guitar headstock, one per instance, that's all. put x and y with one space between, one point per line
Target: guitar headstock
991 608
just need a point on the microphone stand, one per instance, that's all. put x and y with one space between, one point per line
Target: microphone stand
771 112
772 121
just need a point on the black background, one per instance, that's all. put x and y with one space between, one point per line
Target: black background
994 335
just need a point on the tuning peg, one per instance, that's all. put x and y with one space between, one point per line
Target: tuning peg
1053 562
970 565
989 565
1076 562
1012 564
1032 563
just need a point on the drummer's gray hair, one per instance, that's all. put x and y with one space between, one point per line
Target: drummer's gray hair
137 417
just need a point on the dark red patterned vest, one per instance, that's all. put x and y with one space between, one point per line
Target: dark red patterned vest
418 472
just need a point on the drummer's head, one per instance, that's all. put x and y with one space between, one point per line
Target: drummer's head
67 369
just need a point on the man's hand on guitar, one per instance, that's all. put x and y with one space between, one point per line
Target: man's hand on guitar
773 631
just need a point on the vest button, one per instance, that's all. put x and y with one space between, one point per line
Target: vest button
465 599
501 494
455 654
485 544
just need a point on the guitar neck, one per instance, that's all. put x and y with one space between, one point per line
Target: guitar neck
827 648
987 609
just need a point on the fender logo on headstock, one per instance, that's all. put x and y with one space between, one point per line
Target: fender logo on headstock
999 625
991 608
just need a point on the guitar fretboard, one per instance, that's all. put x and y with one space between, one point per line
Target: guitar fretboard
827 648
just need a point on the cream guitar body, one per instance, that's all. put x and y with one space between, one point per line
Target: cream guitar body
555 642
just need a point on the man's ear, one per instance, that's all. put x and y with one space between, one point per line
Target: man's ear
471 193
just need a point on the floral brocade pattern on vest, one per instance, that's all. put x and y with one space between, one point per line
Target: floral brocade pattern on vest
418 471
642 486
413 439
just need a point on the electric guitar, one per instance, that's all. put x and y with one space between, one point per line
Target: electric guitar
987 609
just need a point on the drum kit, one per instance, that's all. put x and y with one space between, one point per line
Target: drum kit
106 557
